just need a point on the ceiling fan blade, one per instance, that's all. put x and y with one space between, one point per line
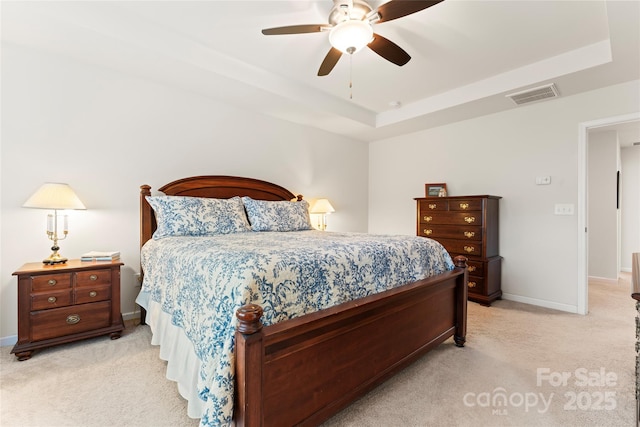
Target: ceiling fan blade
329 62
389 50
395 9
295 29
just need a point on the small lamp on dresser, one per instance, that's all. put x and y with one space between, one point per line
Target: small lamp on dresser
55 196
322 207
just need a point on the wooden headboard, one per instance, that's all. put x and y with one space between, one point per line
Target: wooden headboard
215 186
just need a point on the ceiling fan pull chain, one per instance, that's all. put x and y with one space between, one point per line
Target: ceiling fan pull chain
350 76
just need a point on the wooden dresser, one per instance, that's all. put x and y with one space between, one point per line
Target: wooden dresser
66 302
467 225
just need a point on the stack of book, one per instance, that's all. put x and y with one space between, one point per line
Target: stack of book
100 256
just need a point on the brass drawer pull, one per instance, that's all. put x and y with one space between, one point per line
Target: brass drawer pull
427 231
428 218
52 299
469 249
470 219
93 277
469 234
472 284
52 282
471 268
93 294
432 206
72 319
464 205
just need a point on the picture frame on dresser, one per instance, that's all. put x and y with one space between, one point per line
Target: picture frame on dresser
433 190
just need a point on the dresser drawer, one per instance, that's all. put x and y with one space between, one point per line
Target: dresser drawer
50 281
466 248
437 231
93 278
452 218
476 285
465 205
475 268
92 294
434 205
59 322
52 299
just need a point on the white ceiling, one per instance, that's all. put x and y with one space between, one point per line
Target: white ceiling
466 55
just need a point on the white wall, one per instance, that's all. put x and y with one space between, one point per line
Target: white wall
501 154
106 133
602 216
630 204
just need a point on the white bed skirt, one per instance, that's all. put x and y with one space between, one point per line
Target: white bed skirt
183 366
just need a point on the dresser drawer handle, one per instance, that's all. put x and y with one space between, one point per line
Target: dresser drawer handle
428 218
93 277
72 319
52 299
470 219
52 282
427 231
469 249
432 205
464 205
472 284
93 294
471 269
469 234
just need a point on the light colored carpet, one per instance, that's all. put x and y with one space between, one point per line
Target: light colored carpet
100 382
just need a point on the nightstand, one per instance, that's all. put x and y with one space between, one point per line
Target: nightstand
62 303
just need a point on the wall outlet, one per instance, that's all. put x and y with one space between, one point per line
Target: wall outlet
543 180
138 279
563 209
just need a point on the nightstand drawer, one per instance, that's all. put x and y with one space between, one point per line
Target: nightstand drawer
93 294
93 278
53 299
50 281
59 322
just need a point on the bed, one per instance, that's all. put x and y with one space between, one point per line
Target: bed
287 367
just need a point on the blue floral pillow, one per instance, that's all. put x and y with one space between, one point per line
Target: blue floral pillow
197 216
277 215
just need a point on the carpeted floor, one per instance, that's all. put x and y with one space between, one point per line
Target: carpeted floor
521 366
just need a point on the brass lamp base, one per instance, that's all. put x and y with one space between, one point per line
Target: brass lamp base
55 257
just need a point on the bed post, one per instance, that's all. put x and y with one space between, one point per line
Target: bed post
249 352
459 336
147 225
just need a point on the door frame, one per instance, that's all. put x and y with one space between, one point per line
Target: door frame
583 203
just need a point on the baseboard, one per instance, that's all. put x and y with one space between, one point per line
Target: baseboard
604 279
13 339
626 269
541 303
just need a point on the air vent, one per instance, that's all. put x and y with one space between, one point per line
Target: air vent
535 94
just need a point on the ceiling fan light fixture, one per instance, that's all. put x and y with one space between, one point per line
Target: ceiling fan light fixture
351 36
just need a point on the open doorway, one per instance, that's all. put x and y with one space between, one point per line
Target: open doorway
583 250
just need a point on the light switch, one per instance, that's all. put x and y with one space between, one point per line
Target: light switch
563 209
543 180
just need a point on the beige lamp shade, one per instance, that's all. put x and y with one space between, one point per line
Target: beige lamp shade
322 206
54 195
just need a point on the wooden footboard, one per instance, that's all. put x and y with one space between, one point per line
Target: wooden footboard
302 371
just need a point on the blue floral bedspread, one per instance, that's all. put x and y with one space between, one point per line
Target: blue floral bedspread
201 281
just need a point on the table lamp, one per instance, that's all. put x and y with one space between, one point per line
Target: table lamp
322 207
55 196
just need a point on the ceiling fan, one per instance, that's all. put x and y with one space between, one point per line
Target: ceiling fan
351 28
